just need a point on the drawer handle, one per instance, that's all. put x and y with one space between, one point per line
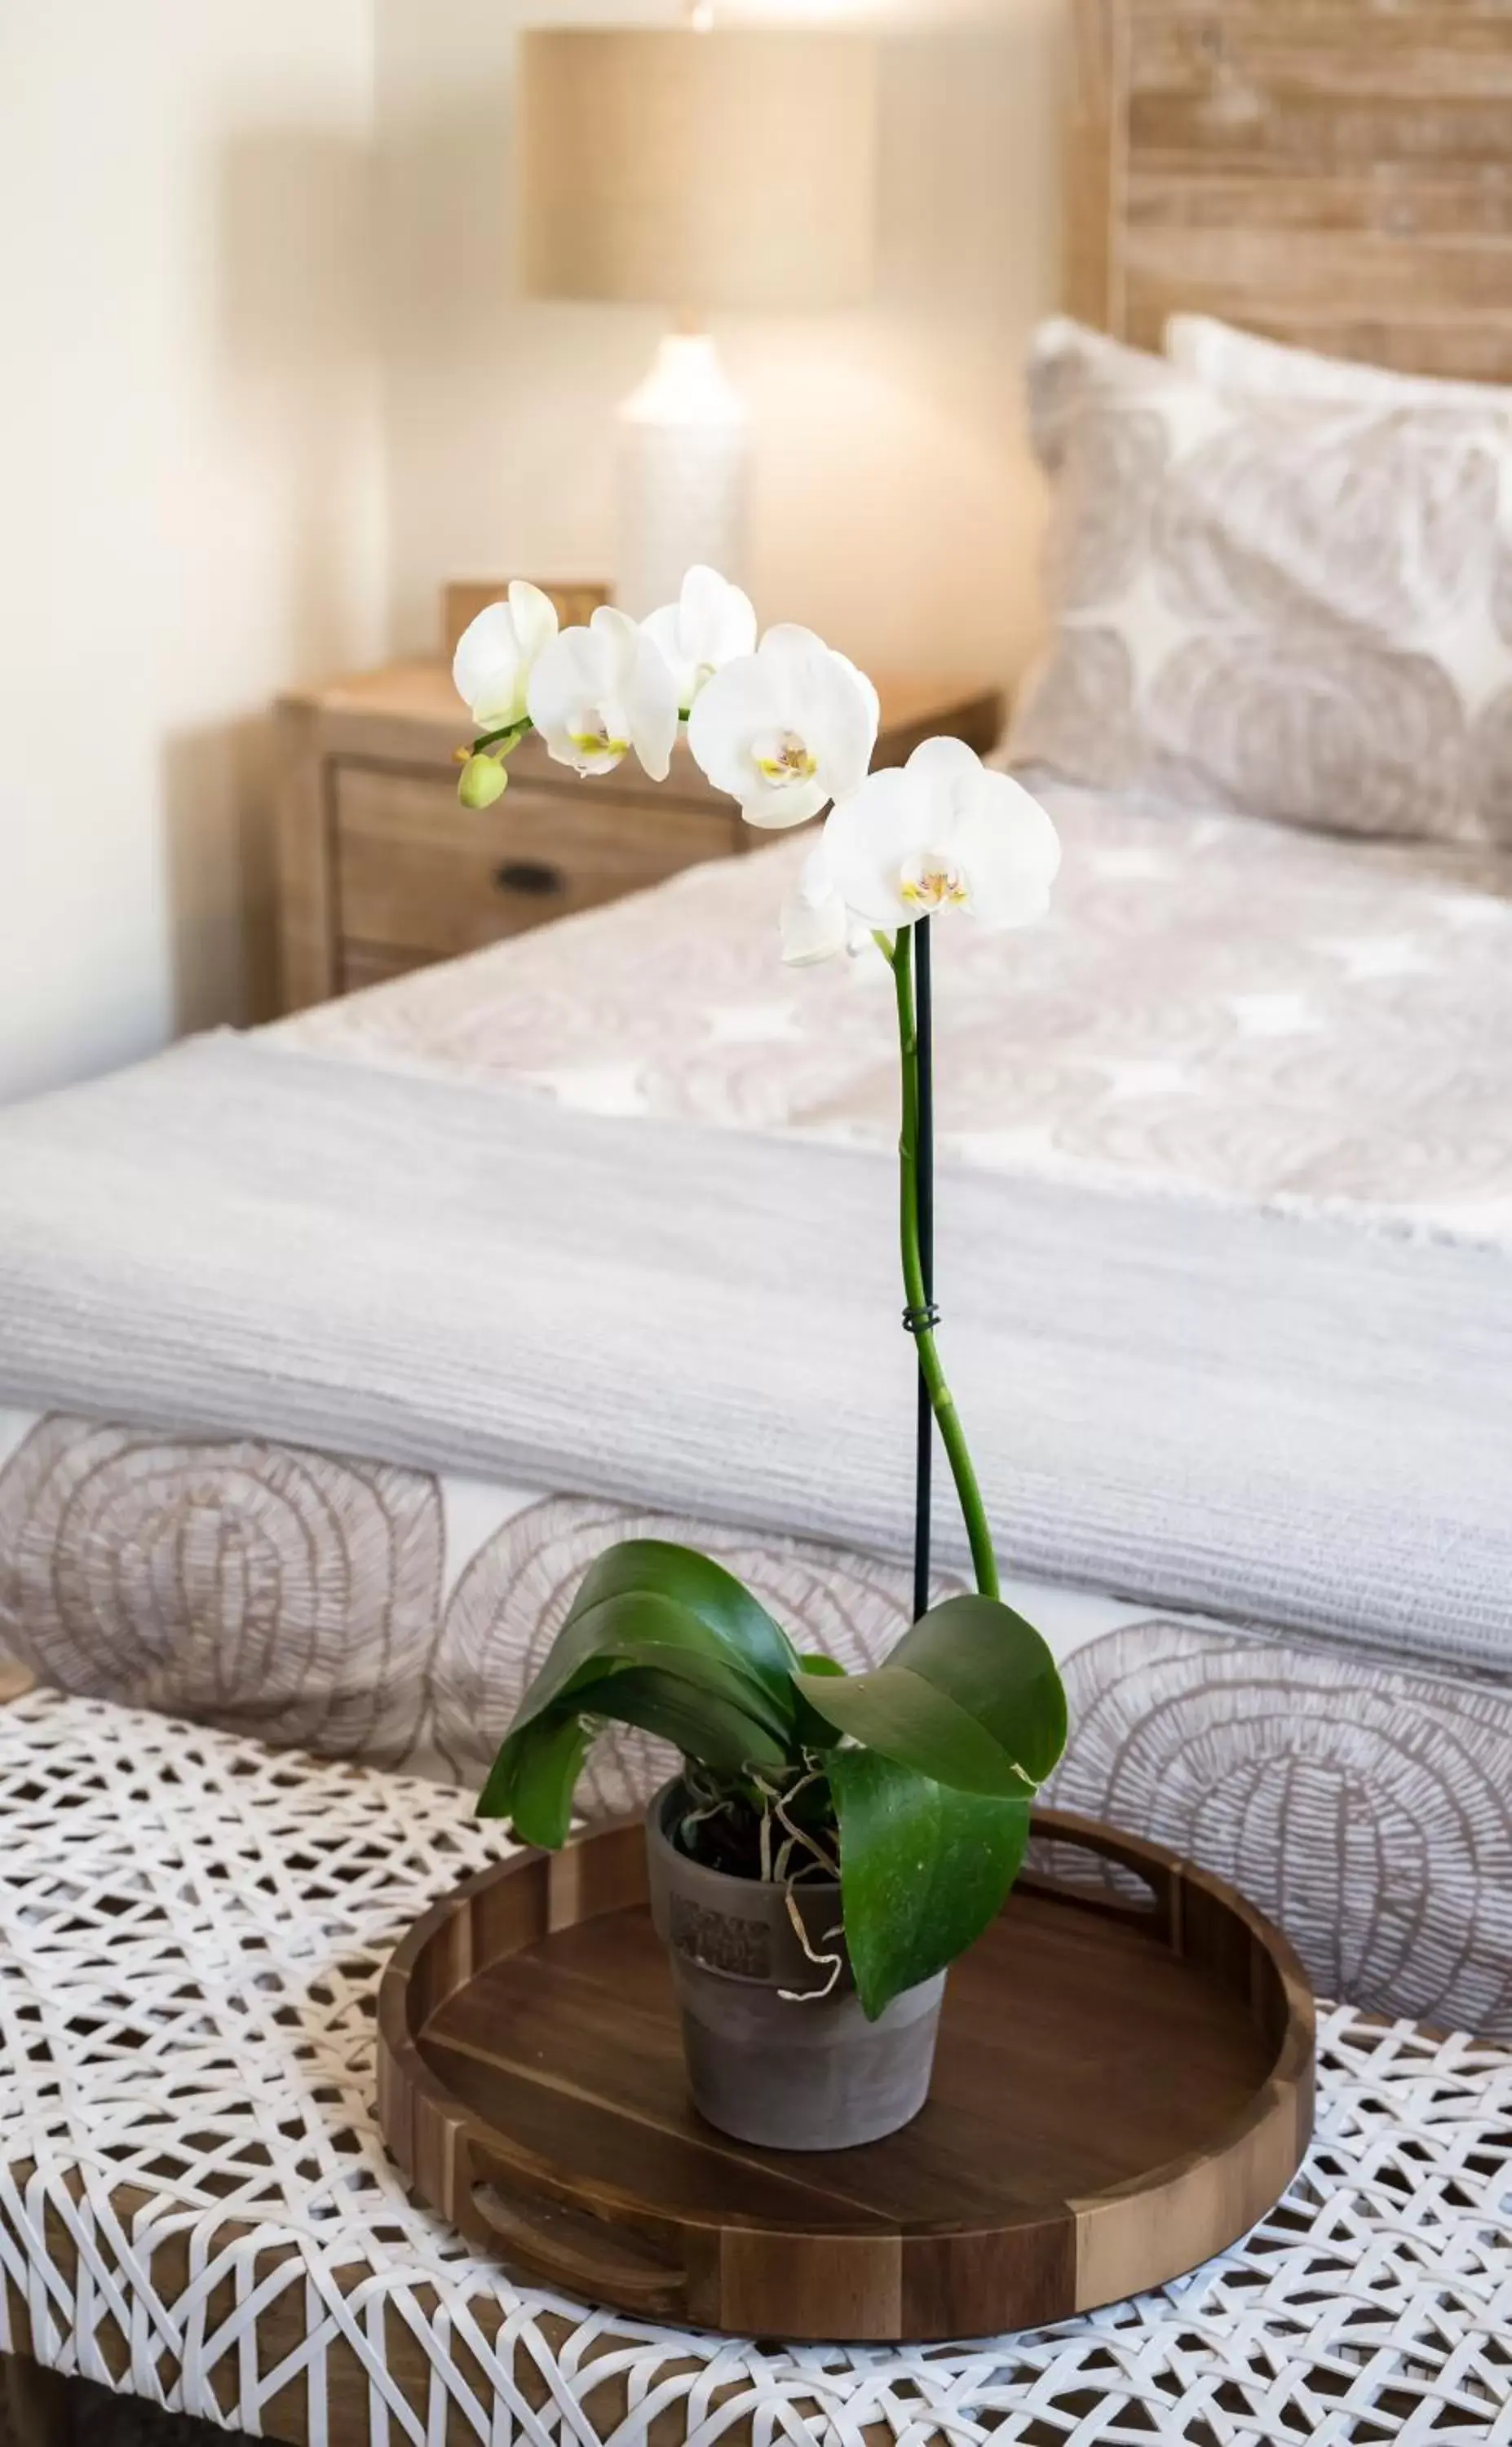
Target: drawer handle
534 876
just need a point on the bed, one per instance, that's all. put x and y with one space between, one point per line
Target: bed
394 1332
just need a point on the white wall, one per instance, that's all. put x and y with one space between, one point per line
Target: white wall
191 489
896 506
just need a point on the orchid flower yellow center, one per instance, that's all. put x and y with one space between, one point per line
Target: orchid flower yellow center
929 881
593 737
783 758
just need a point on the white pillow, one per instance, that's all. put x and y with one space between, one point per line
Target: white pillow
1289 607
1229 359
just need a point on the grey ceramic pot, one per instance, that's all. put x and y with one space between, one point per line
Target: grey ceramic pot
786 2072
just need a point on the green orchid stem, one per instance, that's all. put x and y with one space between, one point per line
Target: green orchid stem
943 1402
513 732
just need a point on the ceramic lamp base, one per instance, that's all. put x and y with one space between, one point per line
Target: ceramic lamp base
684 475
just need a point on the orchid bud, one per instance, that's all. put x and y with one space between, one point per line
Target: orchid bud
481 780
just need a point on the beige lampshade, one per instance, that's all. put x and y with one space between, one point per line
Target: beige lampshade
683 169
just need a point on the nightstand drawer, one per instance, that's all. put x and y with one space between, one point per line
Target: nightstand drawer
420 878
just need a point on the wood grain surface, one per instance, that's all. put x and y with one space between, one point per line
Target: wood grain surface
1332 173
1120 2092
417 870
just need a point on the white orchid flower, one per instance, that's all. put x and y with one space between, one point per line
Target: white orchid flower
497 653
941 832
598 692
816 923
710 624
785 729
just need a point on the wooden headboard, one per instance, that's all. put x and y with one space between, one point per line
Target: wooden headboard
1336 173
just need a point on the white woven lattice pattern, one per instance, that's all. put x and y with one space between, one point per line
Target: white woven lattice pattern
195 2205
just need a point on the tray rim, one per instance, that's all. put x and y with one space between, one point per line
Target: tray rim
1285 2094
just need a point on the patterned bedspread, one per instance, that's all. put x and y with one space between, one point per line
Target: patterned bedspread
1216 1007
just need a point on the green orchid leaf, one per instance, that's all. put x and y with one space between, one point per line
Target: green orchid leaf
497 1798
725 1683
995 1665
811 1731
655 1567
533 1779
701 1722
923 1871
660 1638
619 1627
696 1700
895 1711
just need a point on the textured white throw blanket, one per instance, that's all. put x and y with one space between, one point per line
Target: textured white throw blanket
1301 1423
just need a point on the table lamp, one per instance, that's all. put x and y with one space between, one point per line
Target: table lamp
697 170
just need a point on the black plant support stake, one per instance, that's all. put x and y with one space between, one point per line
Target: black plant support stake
909 958
924 1021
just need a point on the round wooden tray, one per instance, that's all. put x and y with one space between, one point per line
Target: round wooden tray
1118 2093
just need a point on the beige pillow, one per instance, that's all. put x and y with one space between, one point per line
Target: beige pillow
1287 607
1228 359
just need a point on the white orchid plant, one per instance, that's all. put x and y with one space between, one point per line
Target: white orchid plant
911 1782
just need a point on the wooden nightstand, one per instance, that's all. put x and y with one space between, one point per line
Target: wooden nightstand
380 869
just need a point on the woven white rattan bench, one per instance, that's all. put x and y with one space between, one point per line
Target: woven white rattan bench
196 2208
